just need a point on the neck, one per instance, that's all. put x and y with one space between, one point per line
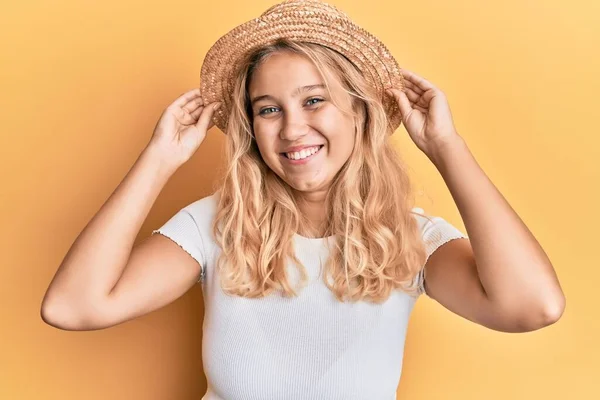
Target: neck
313 208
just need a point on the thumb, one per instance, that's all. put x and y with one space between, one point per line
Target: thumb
403 102
205 121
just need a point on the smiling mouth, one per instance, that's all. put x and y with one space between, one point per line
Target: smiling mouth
297 155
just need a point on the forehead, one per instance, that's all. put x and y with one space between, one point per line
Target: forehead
285 71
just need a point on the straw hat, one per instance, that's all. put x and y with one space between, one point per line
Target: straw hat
307 21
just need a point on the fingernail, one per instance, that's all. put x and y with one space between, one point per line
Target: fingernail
217 106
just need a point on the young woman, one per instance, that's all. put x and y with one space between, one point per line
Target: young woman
310 253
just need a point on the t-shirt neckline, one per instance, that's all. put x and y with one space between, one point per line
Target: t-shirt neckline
313 240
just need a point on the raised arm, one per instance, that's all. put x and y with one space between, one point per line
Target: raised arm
103 280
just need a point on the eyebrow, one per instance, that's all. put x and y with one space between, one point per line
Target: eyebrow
296 92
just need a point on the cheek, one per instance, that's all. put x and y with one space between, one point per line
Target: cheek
267 147
340 133
266 132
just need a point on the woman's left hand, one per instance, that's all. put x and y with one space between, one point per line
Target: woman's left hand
425 113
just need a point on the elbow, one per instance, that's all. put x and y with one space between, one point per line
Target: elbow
548 314
58 314
52 316
62 314
554 310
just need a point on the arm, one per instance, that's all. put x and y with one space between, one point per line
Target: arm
500 277
102 281
98 257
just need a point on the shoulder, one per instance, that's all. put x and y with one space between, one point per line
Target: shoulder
193 222
420 216
202 211
205 206
435 230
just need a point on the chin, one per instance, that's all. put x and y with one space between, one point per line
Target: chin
307 187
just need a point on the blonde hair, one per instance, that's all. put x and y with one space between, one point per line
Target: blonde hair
377 245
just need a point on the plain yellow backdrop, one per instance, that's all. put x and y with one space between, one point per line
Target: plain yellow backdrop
83 85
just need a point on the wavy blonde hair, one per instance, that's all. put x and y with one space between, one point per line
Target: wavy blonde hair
377 245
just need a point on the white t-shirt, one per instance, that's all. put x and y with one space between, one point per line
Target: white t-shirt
308 347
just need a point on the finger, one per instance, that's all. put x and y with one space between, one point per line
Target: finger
186 97
185 117
415 88
418 107
190 118
421 100
196 113
419 81
189 113
193 104
402 100
205 120
412 96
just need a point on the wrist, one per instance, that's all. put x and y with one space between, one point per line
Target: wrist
156 156
442 150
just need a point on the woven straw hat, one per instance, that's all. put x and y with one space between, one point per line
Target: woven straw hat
305 21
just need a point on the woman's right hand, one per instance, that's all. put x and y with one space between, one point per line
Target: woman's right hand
182 128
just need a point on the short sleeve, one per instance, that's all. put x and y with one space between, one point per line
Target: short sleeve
435 231
183 230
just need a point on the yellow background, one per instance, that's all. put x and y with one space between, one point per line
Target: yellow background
83 84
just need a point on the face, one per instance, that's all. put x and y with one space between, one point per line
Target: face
302 136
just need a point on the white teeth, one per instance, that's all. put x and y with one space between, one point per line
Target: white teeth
299 155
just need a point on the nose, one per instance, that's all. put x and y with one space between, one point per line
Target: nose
294 127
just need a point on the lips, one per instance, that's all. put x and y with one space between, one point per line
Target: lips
307 152
302 161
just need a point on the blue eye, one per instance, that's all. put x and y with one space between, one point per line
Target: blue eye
314 98
261 112
309 102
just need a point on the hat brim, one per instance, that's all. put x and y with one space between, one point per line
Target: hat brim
312 22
